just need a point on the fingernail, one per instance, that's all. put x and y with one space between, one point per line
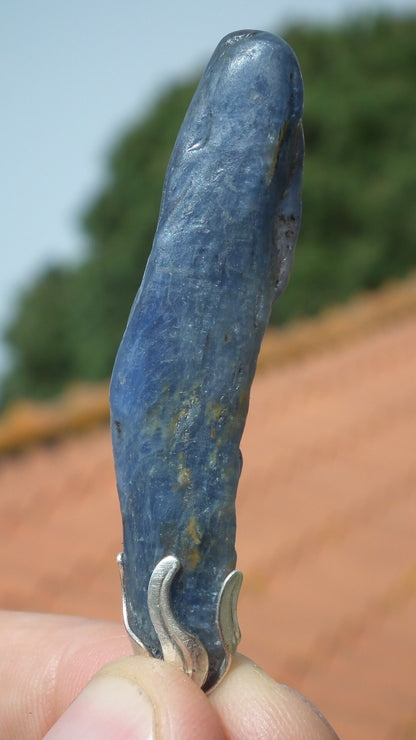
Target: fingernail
109 707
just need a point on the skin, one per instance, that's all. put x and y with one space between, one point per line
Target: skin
65 677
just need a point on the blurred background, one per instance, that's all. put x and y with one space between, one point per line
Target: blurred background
93 97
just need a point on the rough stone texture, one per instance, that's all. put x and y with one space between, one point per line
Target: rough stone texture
180 389
328 602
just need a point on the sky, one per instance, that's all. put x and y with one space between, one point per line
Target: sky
73 76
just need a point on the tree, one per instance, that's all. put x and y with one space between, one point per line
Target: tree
43 357
358 224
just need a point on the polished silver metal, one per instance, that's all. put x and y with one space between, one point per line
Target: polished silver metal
227 621
179 648
137 644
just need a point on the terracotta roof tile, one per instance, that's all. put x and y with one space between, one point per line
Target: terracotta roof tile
326 529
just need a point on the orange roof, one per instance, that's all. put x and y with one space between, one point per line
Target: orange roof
326 529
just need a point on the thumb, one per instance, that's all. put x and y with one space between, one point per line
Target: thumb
138 698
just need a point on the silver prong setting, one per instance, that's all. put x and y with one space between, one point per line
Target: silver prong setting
179 648
137 644
227 620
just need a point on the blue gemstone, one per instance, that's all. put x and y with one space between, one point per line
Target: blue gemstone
222 253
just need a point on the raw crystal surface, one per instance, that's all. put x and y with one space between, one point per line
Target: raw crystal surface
222 253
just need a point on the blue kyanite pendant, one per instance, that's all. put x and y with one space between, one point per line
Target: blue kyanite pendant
180 388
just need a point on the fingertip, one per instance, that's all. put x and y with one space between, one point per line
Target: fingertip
108 707
137 698
253 705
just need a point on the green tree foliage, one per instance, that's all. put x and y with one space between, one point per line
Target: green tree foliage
359 224
359 221
38 371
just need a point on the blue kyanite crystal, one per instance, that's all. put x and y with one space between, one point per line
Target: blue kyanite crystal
222 253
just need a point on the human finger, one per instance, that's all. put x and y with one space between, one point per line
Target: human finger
47 660
253 706
139 698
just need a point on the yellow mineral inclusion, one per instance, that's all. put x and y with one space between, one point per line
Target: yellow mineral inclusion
193 554
193 531
193 557
184 477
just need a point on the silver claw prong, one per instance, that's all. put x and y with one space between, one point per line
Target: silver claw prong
138 646
179 648
227 621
